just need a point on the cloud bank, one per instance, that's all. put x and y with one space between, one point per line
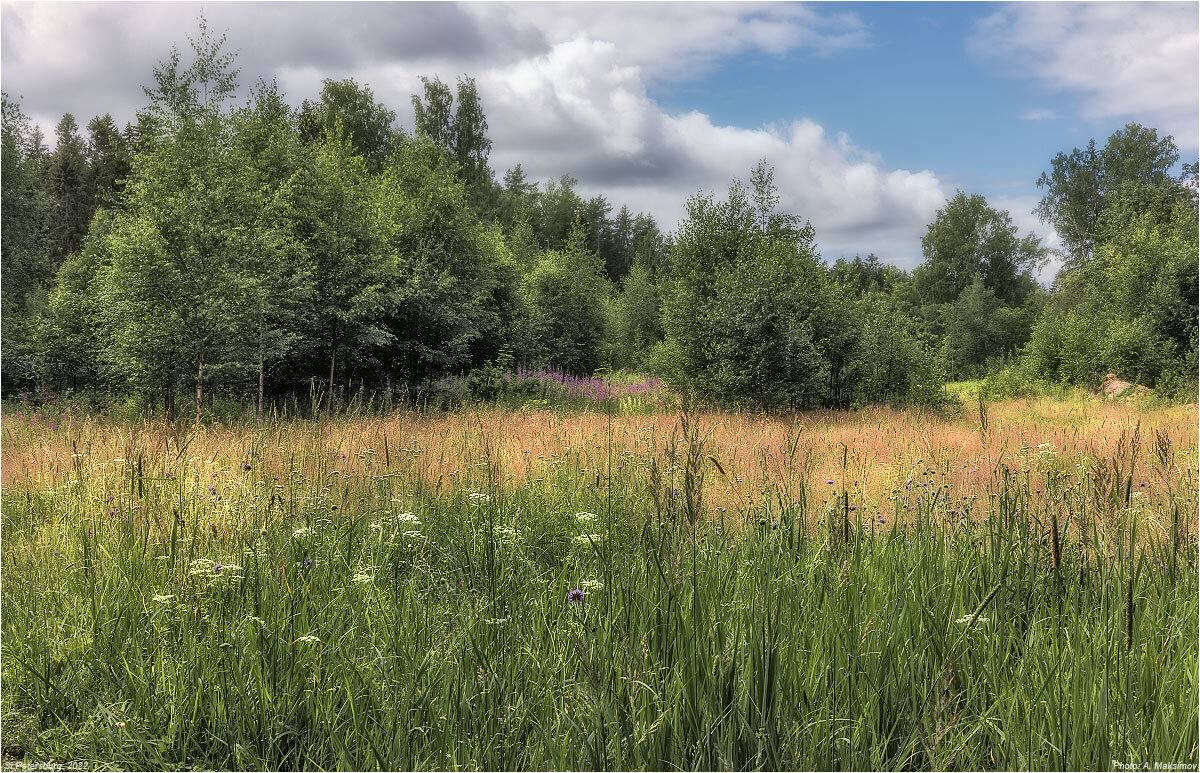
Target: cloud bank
564 86
1125 61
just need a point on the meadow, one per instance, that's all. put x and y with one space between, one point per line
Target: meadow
1009 586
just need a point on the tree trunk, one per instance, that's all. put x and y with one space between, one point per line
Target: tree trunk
261 367
329 411
199 389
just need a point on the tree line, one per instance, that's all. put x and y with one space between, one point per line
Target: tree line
257 249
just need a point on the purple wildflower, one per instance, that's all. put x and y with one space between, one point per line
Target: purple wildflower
217 568
575 596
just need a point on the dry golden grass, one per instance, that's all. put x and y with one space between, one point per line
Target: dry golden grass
755 456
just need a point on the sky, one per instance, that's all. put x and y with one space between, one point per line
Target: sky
873 114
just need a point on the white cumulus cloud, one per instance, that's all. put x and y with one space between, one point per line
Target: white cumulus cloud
1126 61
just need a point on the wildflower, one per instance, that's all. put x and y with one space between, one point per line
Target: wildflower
163 598
302 532
362 578
307 639
585 539
774 525
496 620
586 516
246 466
576 596
967 619
408 518
217 567
882 519
591 585
829 483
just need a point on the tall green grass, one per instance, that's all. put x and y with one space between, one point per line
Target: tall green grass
159 612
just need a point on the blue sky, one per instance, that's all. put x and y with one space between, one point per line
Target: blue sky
912 93
872 113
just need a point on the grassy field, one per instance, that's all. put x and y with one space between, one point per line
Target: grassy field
1012 588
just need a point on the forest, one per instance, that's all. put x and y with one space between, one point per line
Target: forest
219 249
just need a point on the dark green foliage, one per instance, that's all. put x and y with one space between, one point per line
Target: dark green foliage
265 250
976 288
637 319
870 275
969 239
330 211
449 283
1127 298
26 263
889 364
350 110
980 327
69 187
565 298
744 284
108 157
1080 185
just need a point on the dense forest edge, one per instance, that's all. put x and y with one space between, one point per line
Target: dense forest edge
214 253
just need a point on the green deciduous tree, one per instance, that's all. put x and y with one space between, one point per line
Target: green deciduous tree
744 288
332 212
350 109
451 281
969 239
1132 307
637 319
174 294
565 297
980 327
889 363
1080 184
